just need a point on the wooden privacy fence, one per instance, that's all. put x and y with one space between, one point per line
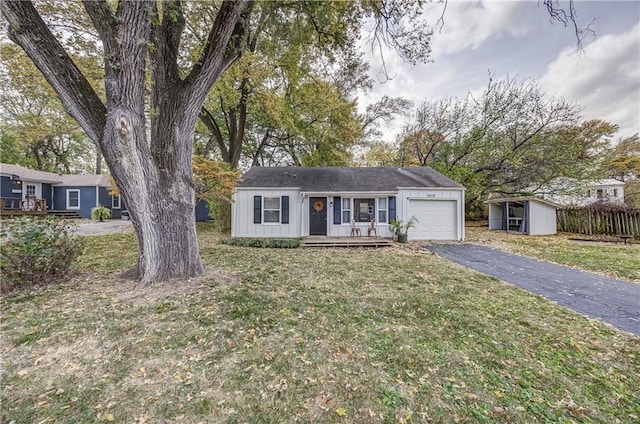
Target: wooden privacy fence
599 221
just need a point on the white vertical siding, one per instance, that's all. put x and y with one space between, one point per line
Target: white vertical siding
242 212
344 228
542 219
495 216
242 215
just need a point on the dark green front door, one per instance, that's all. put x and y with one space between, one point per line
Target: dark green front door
318 216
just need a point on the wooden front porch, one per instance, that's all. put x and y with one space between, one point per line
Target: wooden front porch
17 207
323 241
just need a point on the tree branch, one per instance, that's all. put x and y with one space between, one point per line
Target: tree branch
28 30
104 21
224 45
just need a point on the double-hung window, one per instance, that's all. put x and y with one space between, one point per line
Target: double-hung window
346 210
382 209
271 210
73 199
115 202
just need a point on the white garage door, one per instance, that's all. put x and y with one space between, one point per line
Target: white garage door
436 220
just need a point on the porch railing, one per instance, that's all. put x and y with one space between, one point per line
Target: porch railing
16 206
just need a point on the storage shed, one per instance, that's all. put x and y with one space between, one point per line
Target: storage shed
527 215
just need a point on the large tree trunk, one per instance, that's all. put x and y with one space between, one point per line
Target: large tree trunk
149 155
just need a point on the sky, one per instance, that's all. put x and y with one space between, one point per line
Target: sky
517 39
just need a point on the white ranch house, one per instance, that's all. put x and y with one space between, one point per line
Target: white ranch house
291 202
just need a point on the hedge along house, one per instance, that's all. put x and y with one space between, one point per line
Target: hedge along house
526 215
299 202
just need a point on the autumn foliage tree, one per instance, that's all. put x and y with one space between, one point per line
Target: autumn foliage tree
144 127
154 91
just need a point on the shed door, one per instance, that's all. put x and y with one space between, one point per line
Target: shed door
436 219
318 216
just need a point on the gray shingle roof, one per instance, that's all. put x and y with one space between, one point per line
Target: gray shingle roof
53 178
29 174
332 179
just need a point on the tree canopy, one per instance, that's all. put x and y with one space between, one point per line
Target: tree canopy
509 140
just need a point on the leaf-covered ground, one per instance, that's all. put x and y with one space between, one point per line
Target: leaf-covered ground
613 259
306 335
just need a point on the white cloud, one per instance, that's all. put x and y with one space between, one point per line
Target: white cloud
518 39
605 80
467 25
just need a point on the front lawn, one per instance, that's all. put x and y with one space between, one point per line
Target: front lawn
306 335
613 259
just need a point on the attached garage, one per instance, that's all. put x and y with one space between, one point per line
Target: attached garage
437 219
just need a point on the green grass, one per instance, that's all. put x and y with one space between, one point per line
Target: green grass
307 335
612 259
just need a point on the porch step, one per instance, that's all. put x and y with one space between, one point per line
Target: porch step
345 242
64 214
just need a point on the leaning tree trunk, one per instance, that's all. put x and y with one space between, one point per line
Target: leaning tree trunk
148 151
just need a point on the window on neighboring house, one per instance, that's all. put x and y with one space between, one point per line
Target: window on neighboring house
73 199
346 210
364 209
271 210
115 202
601 194
382 209
615 193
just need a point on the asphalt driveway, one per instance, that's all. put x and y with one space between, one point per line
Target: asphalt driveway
608 299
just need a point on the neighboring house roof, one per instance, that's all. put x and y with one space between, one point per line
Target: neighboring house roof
333 179
29 174
522 199
85 180
607 182
53 178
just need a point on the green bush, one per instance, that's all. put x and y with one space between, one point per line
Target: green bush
37 251
263 242
100 213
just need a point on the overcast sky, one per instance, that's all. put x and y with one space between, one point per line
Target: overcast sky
516 38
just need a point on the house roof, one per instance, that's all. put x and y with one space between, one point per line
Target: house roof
334 179
85 180
607 182
524 198
27 174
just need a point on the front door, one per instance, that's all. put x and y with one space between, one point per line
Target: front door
318 216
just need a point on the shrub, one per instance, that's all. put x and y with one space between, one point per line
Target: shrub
100 213
263 242
37 251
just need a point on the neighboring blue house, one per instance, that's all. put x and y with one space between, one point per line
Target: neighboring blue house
23 188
